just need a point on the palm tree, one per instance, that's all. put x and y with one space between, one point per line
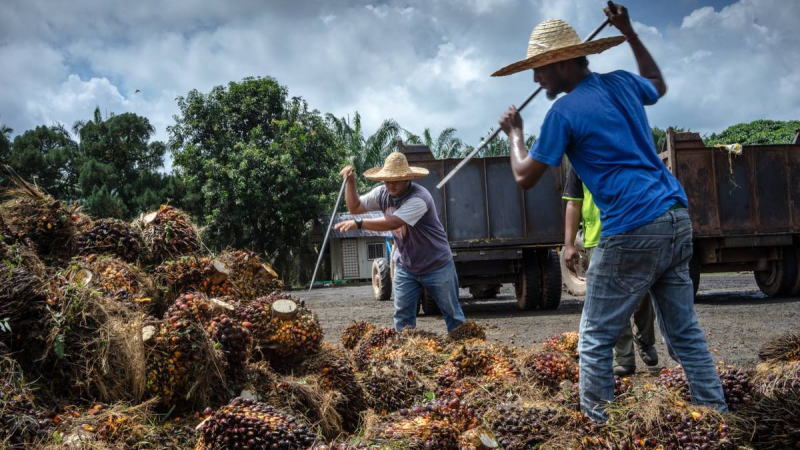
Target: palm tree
365 152
5 139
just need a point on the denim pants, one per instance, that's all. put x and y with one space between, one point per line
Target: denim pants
655 258
442 286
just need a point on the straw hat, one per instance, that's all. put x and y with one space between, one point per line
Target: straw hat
395 168
554 40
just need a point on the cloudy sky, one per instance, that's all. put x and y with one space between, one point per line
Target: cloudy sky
425 63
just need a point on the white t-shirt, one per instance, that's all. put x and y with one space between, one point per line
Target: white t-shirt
410 212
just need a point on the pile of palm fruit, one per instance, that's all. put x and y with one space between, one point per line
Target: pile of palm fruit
117 335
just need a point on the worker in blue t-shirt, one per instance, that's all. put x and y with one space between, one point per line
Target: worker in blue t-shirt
646 241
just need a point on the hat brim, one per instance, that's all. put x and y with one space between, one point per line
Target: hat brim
561 54
379 174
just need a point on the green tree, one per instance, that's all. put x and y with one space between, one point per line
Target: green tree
365 152
756 132
5 140
47 156
258 168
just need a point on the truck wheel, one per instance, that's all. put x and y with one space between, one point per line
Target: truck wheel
484 291
429 306
780 278
381 280
529 283
551 280
574 282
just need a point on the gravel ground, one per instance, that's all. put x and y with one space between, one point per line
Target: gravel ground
735 315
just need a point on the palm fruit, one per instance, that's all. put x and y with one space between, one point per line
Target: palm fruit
193 273
389 390
22 423
675 380
785 347
234 341
369 345
279 336
167 234
114 279
566 343
735 384
522 427
22 290
468 330
252 277
681 428
39 219
424 352
249 424
109 237
548 369
483 360
435 425
354 332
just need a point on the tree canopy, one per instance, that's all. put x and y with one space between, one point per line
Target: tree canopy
756 132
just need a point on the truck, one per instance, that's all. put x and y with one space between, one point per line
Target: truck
498 232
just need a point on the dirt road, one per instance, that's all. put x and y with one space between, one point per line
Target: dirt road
735 315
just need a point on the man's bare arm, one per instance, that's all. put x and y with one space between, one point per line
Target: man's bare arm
351 193
526 170
386 223
647 65
572 217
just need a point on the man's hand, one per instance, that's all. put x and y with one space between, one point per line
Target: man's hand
345 225
572 258
618 16
347 172
511 121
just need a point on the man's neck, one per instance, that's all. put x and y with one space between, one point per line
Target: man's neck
576 80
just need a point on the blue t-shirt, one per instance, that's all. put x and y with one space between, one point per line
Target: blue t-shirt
602 127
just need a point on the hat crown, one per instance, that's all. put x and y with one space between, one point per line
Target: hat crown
396 162
550 35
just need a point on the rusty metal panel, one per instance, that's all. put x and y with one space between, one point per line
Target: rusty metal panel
735 192
544 217
465 200
771 189
793 162
506 219
695 172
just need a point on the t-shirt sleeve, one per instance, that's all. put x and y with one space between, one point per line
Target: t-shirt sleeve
411 211
553 139
370 200
645 88
573 187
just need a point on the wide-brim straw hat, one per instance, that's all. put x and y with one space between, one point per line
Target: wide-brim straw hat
395 168
554 40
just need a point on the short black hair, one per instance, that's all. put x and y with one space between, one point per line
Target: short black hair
582 61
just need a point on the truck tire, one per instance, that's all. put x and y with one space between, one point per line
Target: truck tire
480 291
575 283
429 306
780 278
381 280
551 281
529 283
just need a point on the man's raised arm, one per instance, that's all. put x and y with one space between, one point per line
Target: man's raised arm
647 65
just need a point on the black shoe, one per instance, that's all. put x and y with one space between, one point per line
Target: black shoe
622 371
649 355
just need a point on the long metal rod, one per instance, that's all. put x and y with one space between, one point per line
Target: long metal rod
486 142
327 233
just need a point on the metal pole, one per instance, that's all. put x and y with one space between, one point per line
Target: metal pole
521 107
327 232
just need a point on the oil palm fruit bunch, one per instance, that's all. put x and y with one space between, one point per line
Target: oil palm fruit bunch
785 347
775 410
353 333
369 345
435 425
113 278
336 373
680 429
479 360
22 423
282 327
422 351
234 341
566 343
109 237
252 276
388 389
38 218
23 288
675 380
252 425
468 330
194 273
736 385
522 427
549 368
167 234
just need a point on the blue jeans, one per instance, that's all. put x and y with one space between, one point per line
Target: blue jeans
442 286
652 258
